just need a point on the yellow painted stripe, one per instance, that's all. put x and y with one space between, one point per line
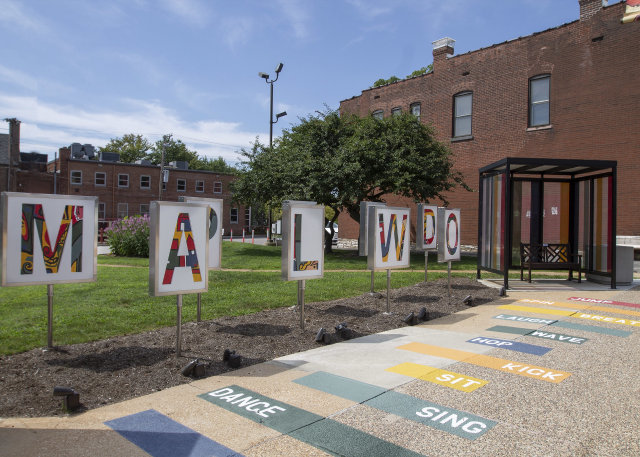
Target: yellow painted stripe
445 378
609 319
508 366
531 309
582 306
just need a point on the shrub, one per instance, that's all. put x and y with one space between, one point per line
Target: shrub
129 236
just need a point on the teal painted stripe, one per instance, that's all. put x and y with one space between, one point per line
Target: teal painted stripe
341 440
341 387
274 414
440 417
453 421
325 434
592 328
512 330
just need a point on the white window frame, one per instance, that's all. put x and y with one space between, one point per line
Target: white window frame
181 182
144 209
217 185
104 179
233 217
120 179
102 210
148 186
544 101
457 117
378 114
123 208
413 109
75 177
396 111
199 186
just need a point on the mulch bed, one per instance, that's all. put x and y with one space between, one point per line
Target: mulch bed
124 367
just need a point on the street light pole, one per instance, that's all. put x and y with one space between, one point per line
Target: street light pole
265 76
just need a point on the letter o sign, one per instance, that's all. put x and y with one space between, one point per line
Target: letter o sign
452 231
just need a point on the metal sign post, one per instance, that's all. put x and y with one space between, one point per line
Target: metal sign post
426 264
301 287
179 325
373 274
449 276
50 316
199 309
388 289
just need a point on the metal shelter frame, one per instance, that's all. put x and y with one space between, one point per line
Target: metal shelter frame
589 214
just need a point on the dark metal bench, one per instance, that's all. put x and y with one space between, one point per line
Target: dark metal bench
549 257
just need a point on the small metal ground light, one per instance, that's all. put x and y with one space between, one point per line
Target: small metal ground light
71 400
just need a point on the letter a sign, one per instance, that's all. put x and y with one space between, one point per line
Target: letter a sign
388 238
178 253
302 240
48 239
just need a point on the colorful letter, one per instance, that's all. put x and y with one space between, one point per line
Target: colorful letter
183 226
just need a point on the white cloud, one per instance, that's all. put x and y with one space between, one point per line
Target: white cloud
237 30
193 12
47 127
13 13
18 78
369 10
297 16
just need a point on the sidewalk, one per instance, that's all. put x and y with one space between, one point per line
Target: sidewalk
535 373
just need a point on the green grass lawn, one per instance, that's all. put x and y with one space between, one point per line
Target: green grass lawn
118 302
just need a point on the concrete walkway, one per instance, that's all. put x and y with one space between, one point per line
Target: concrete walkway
551 372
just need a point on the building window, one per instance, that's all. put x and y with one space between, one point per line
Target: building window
397 111
102 210
123 180
462 104
144 209
182 185
539 100
234 216
164 185
415 109
199 186
100 178
378 114
76 177
217 187
247 217
145 182
123 210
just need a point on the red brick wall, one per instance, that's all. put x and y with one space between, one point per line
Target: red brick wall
594 93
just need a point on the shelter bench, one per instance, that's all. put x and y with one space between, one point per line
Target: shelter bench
549 257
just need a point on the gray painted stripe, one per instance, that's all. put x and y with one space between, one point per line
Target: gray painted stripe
511 345
342 387
403 405
512 330
592 328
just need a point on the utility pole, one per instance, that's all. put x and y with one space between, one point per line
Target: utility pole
14 126
165 138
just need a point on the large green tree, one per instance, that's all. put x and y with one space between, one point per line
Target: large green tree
339 161
130 147
174 150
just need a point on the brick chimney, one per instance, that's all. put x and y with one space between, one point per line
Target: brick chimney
442 49
14 141
589 8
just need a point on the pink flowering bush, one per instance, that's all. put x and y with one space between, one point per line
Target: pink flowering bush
129 236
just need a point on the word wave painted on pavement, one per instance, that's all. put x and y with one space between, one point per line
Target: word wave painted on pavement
538 334
583 306
508 366
604 302
439 376
532 320
459 423
511 345
327 435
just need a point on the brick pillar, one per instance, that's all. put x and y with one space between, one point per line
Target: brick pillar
441 49
589 8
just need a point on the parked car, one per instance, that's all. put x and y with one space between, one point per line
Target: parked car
334 240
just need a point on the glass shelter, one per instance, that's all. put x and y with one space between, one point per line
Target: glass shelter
548 202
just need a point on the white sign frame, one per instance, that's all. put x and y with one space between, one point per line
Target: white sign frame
427 211
215 241
363 240
164 218
446 219
311 241
53 211
375 260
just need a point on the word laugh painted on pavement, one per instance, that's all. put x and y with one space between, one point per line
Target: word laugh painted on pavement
533 320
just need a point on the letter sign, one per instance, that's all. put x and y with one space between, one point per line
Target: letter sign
448 234
427 233
215 229
388 239
363 243
302 240
48 239
178 252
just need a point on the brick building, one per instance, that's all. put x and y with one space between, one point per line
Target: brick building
568 92
126 189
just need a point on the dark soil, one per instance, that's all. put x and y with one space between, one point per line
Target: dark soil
125 367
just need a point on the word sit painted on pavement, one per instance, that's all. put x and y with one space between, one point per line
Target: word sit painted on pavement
604 302
612 320
533 320
588 307
439 376
508 366
511 345
538 334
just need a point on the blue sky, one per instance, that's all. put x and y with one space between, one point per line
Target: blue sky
89 70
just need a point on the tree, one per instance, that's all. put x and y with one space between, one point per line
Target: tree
422 71
130 147
174 150
339 161
219 165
